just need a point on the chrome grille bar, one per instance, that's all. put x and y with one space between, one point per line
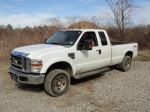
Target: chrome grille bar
20 63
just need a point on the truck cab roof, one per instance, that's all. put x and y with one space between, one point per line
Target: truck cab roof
82 30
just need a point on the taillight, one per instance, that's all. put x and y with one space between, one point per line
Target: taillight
135 46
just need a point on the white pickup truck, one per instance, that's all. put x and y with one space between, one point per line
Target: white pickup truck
76 53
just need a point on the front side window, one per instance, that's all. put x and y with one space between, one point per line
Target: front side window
64 38
89 35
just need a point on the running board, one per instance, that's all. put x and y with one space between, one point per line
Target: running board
90 73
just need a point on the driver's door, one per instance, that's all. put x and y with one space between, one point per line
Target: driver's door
87 60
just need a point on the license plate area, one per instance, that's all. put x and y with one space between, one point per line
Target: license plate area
14 77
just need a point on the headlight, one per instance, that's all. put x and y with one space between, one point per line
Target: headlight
36 66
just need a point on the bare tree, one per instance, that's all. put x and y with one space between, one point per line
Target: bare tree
122 11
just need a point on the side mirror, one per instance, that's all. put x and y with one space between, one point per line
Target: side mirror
45 40
87 45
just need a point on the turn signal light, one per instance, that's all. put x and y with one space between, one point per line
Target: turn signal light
37 65
90 46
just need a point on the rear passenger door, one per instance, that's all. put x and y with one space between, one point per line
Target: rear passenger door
105 57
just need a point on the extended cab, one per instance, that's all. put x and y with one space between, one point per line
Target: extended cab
76 53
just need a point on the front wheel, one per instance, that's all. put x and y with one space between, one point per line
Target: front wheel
125 64
57 82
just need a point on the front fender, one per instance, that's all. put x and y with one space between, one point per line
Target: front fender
53 60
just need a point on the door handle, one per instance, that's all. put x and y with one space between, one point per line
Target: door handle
99 51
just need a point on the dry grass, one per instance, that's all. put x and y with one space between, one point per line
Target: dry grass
136 34
143 56
10 39
3 67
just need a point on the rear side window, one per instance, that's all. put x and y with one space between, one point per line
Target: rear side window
103 38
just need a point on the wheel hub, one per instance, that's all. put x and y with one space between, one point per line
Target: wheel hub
127 64
59 83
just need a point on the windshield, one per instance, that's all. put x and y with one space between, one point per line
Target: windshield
64 37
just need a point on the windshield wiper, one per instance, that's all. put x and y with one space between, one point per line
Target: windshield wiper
67 44
56 43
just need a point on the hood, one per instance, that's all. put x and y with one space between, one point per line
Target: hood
32 49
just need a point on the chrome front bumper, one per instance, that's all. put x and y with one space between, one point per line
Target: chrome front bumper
26 78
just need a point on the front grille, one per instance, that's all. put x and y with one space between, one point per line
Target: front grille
20 63
18 67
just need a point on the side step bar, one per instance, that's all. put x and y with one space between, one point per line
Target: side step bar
90 73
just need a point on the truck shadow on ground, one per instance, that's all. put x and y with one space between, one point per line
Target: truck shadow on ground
93 77
33 88
40 88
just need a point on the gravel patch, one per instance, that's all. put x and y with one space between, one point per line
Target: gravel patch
113 91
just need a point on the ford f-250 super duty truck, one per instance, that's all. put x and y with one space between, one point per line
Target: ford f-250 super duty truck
76 53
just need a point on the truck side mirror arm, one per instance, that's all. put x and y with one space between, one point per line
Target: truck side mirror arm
45 40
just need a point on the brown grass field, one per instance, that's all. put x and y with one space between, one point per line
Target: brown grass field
13 38
143 55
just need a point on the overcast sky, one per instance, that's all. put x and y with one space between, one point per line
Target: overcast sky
21 13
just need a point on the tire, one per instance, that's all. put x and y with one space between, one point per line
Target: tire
57 82
125 64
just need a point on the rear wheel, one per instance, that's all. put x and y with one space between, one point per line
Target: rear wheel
125 64
57 82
